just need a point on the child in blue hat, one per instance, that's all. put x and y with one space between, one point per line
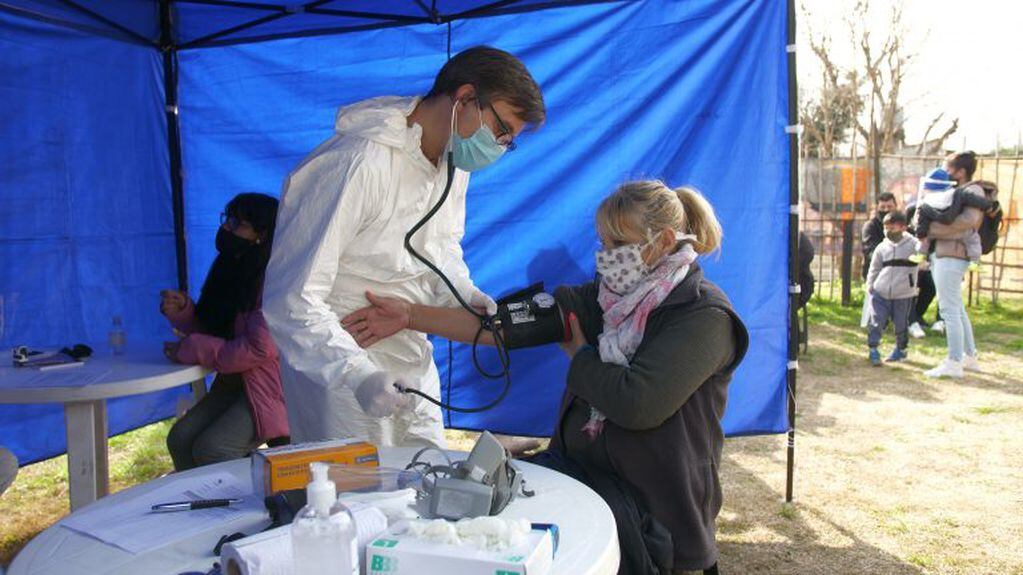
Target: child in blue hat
941 201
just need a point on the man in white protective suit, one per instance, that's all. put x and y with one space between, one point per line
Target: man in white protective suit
341 226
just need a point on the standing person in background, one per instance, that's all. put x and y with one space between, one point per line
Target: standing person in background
936 180
873 230
225 331
870 237
948 265
891 283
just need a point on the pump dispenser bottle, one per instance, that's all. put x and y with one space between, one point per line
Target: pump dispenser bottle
323 537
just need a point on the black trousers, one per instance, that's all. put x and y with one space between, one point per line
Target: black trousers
923 300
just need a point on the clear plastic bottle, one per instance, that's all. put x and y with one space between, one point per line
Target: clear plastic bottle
323 540
116 337
361 479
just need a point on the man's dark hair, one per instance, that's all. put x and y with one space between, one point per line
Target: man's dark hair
497 75
886 197
966 161
896 217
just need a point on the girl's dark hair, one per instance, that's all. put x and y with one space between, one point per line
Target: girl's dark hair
235 284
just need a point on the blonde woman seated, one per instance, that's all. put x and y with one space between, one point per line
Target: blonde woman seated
653 348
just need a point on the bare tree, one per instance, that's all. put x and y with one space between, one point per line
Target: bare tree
828 117
875 78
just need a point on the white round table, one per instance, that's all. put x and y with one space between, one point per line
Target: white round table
589 538
142 369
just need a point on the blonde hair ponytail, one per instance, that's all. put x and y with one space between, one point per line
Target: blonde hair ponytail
638 208
700 220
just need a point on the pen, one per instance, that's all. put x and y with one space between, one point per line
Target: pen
190 505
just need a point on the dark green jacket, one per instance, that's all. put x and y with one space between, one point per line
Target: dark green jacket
663 431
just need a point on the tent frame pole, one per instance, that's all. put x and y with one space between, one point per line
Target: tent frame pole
793 346
170 89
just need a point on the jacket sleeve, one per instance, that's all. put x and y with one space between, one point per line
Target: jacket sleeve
967 222
184 320
245 351
663 374
875 270
870 237
320 213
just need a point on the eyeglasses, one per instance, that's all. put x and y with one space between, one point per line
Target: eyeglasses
230 221
505 137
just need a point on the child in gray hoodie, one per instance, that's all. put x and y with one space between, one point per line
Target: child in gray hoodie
891 283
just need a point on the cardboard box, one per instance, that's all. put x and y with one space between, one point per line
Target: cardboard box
287 467
397 554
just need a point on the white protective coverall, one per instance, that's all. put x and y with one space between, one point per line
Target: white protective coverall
341 225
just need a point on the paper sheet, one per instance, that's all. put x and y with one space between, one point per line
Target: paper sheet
132 526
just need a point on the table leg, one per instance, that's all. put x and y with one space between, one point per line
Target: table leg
199 389
87 462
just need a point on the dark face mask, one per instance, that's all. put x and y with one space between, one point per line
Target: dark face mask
895 237
231 245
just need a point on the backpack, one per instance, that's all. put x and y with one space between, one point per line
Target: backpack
992 222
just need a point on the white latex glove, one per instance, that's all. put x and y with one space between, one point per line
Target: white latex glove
378 396
480 300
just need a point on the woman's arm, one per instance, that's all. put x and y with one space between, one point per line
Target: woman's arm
179 310
250 348
663 374
386 316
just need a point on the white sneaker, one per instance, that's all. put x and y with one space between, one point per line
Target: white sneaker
970 363
938 326
916 331
947 368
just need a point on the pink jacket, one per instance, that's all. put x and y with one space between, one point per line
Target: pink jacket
252 353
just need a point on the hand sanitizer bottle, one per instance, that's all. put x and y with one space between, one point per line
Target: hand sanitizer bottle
116 336
323 533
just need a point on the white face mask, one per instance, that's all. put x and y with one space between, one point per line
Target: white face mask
622 268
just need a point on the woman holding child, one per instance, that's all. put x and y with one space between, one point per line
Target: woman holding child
653 348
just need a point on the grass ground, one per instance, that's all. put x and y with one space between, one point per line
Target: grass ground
894 473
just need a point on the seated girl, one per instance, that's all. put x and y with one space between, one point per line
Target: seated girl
653 348
226 332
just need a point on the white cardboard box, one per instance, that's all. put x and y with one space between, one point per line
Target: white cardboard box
398 554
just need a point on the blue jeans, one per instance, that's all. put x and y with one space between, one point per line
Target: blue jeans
948 279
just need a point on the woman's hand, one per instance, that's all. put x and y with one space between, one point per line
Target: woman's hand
384 317
170 349
572 346
172 301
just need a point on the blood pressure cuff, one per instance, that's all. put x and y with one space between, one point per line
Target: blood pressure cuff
531 317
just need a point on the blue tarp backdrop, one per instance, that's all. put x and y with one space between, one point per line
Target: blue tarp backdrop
689 92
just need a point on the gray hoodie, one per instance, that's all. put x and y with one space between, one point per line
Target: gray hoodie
892 275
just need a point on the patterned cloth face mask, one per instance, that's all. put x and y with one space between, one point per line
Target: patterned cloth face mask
622 268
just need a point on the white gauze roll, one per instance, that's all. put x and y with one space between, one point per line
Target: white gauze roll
269 553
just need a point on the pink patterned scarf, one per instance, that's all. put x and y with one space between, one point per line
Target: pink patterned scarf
625 316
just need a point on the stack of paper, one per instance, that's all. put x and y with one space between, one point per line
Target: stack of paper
132 526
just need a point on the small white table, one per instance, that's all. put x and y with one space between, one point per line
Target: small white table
589 538
142 369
